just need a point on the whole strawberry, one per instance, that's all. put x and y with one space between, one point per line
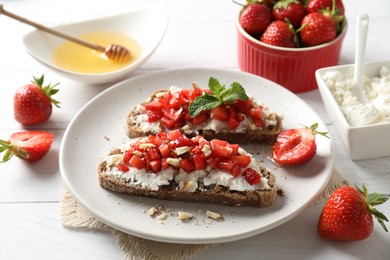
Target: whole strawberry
296 146
281 34
33 102
317 29
255 18
30 146
293 10
348 214
318 5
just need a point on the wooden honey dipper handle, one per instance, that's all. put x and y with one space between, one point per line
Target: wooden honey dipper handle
113 52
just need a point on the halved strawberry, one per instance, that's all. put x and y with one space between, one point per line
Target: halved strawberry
29 145
296 146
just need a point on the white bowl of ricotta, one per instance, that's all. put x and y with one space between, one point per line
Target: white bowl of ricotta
364 128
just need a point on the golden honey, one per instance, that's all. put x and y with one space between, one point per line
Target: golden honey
77 58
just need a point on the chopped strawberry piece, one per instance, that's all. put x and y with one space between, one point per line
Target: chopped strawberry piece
221 151
226 165
242 106
234 147
155 165
164 150
256 112
153 153
122 167
128 155
137 162
199 119
241 160
251 176
168 123
173 114
154 115
154 105
214 161
220 113
164 164
175 134
187 165
200 161
236 170
258 122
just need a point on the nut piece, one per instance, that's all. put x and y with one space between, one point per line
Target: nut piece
173 161
184 216
214 215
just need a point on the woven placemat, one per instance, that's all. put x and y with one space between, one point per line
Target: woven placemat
74 216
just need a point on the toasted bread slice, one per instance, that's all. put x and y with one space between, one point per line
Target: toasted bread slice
247 132
209 184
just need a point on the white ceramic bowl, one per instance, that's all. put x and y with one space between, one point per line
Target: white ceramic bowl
147 26
363 142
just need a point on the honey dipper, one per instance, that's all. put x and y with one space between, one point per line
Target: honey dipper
113 52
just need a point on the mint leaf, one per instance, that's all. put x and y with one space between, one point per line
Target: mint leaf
204 102
220 95
215 86
236 91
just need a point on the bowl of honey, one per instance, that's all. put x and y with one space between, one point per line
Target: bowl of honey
139 30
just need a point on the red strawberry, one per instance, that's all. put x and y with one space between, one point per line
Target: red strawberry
280 33
29 145
293 10
318 5
347 215
296 146
255 17
317 28
33 102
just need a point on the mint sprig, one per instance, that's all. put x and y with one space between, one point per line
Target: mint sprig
220 95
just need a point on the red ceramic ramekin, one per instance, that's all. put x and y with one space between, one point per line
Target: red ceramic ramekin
293 68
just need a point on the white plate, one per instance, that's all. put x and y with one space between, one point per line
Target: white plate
99 127
147 26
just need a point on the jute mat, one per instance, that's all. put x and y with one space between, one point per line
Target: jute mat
73 215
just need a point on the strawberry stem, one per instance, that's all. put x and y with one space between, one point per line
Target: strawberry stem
49 90
11 150
373 199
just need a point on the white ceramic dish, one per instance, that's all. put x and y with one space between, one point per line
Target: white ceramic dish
147 26
99 127
364 142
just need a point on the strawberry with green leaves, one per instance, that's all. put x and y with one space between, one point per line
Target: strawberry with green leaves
317 29
33 102
318 5
348 214
296 146
30 146
292 10
255 17
280 33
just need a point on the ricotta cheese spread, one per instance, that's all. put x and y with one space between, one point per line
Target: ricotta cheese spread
377 90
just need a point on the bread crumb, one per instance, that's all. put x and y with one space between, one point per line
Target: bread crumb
214 215
281 193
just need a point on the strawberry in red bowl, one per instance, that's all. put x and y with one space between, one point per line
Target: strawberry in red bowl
290 50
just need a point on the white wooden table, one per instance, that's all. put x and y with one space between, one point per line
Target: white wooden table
200 34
